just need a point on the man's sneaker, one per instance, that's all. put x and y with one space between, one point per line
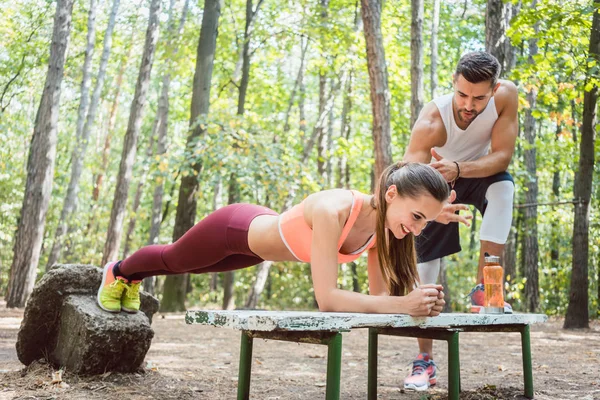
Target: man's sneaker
477 300
111 290
130 301
423 375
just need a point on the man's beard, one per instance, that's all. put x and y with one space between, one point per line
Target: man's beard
473 113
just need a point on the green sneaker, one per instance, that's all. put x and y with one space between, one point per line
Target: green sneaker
110 291
130 300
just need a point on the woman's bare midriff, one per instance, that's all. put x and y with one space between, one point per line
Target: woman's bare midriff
265 241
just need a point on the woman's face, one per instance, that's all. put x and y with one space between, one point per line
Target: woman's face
406 215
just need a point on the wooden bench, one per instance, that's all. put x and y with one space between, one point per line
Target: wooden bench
326 328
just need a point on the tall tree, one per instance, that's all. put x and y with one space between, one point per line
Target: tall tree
175 285
577 311
530 247
85 121
495 29
113 239
378 79
416 60
159 128
435 24
40 166
229 276
161 123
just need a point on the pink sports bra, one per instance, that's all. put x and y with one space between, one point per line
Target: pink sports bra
297 235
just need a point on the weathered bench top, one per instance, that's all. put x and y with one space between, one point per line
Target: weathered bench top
250 320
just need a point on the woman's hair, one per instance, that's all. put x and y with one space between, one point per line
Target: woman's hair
398 257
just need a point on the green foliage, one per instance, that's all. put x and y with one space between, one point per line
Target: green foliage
264 154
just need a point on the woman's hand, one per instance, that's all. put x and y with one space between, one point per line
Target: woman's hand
422 301
438 306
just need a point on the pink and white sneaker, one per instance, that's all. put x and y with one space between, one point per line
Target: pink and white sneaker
423 375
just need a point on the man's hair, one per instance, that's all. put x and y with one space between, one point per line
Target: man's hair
479 66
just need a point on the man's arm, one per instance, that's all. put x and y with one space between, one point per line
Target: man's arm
504 136
428 132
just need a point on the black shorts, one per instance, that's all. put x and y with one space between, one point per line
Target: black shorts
440 240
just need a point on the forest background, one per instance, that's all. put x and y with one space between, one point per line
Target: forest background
140 119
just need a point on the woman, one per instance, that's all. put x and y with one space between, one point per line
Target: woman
327 228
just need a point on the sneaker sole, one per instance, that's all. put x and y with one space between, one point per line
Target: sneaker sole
412 386
129 310
100 289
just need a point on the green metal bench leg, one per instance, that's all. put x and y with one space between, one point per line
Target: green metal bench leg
245 367
527 370
334 367
453 367
372 368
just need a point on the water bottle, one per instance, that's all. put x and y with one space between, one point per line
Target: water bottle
493 283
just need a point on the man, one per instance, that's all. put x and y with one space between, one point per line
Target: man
469 136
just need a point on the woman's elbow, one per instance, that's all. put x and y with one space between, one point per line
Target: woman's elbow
326 303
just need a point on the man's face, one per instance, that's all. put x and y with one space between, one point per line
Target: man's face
470 99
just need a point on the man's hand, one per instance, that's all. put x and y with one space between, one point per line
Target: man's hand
448 213
447 168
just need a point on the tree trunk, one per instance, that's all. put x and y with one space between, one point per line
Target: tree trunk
530 249
99 178
378 79
555 227
343 166
259 284
138 104
299 78
229 276
174 288
509 257
80 142
472 242
250 14
435 24
158 127
416 60
320 127
577 311
444 283
495 30
510 51
40 166
162 120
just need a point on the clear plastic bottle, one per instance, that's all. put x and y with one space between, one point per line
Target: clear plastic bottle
493 282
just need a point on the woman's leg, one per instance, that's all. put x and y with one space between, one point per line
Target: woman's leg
207 247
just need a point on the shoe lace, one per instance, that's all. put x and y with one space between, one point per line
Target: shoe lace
132 291
420 366
115 288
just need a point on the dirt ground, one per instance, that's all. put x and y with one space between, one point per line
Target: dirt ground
195 362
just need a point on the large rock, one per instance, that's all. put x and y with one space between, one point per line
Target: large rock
63 324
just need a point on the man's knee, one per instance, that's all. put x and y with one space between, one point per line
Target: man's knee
498 213
500 194
429 271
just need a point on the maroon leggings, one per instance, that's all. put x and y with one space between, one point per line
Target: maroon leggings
217 243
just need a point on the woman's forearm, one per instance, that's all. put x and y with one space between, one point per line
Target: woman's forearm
338 300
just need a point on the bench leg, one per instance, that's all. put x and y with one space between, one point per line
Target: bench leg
245 367
527 370
453 367
372 368
334 367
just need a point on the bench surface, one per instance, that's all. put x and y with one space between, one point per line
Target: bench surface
250 320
